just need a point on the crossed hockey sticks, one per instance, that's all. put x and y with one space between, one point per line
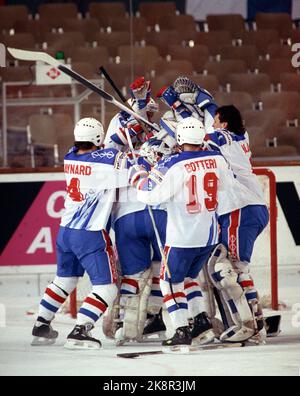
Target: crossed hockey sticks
103 71
160 245
44 57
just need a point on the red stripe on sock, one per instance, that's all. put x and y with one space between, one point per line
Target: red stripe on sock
96 303
169 297
55 296
131 282
191 284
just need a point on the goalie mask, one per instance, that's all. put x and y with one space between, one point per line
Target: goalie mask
185 85
89 130
190 131
153 150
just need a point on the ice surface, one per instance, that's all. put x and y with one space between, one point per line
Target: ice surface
280 357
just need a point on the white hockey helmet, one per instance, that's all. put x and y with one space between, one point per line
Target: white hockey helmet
190 131
89 130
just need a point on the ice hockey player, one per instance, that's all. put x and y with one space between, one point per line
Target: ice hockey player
234 146
140 258
138 250
83 244
191 185
184 98
239 229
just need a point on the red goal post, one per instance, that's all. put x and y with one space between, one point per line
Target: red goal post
273 232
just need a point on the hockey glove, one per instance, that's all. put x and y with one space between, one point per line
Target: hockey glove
169 96
140 91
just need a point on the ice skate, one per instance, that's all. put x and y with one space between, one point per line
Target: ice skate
81 338
202 330
155 329
43 333
180 342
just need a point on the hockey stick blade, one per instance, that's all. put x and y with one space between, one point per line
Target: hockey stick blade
44 57
34 56
133 355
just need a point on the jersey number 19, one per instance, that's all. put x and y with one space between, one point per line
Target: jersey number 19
210 186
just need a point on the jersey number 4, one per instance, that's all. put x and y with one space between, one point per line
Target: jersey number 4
210 186
73 190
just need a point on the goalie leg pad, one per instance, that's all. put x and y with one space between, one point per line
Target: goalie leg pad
225 278
207 292
134 304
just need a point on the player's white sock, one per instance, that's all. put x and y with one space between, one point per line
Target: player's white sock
55 295
178 310
156 298
96 303
194 297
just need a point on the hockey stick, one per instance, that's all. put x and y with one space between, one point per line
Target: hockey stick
207 347
128 137
44 57
112 83
119 93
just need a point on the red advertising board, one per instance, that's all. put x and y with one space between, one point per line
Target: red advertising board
32 216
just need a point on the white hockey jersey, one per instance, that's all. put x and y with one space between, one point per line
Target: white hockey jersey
114 126
92 179
196 187
126 202
236 150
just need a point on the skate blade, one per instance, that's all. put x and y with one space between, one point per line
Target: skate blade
42 341
205 338
177 349
154 337
76 344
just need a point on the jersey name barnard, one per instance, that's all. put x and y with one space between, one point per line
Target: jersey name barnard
201 164
73 169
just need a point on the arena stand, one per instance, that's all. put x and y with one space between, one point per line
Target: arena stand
251 57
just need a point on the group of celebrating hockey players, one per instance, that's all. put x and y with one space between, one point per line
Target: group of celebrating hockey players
185 208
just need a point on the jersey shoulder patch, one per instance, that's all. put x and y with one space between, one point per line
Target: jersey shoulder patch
103 156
